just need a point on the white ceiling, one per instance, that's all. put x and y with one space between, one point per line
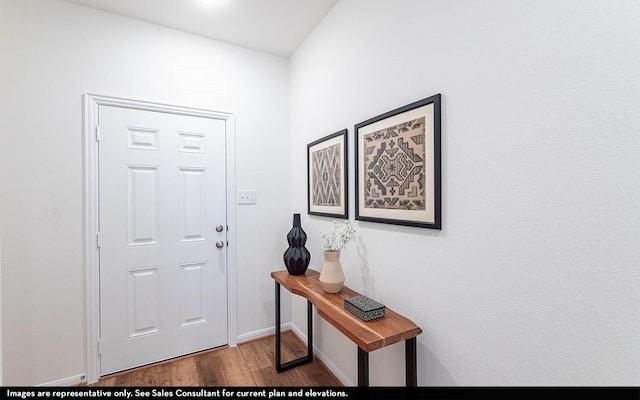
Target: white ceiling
271 26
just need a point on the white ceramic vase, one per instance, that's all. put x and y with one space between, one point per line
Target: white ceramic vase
331 275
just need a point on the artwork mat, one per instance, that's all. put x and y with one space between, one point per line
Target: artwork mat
341 211
428 108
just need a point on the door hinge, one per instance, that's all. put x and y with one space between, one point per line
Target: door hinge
98 135
98 239
99 346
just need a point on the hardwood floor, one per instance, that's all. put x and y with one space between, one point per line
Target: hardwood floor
249 364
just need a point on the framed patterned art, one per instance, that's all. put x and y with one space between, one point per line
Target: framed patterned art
327 176
398 166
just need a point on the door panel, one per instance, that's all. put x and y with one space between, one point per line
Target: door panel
143 307
192 204
163 282
142 205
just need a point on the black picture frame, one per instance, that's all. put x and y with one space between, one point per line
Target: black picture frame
398 166
327 178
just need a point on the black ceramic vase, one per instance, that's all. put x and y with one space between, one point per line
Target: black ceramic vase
297 257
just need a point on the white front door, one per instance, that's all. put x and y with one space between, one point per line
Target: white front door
162 204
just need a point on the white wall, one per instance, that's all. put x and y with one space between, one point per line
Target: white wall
534 278
1 379
52 52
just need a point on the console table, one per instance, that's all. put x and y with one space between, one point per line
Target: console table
368 336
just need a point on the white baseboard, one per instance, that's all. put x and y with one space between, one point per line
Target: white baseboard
325 360
71 381
75 380
246 337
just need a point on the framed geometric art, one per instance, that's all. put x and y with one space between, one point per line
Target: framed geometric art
327 176
398 166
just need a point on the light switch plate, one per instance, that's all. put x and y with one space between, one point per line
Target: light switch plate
247 197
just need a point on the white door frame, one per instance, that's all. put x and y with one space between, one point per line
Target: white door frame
91 211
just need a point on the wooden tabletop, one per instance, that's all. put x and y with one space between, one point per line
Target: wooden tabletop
370 335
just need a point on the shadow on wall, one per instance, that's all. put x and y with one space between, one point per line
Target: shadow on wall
431 372
365 271
269 310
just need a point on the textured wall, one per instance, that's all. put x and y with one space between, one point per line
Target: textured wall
534 278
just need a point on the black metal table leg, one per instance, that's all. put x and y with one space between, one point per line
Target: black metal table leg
363 367
411 360
278 327
309 357
309 330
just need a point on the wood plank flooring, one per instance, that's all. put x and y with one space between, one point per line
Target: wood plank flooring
249 364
